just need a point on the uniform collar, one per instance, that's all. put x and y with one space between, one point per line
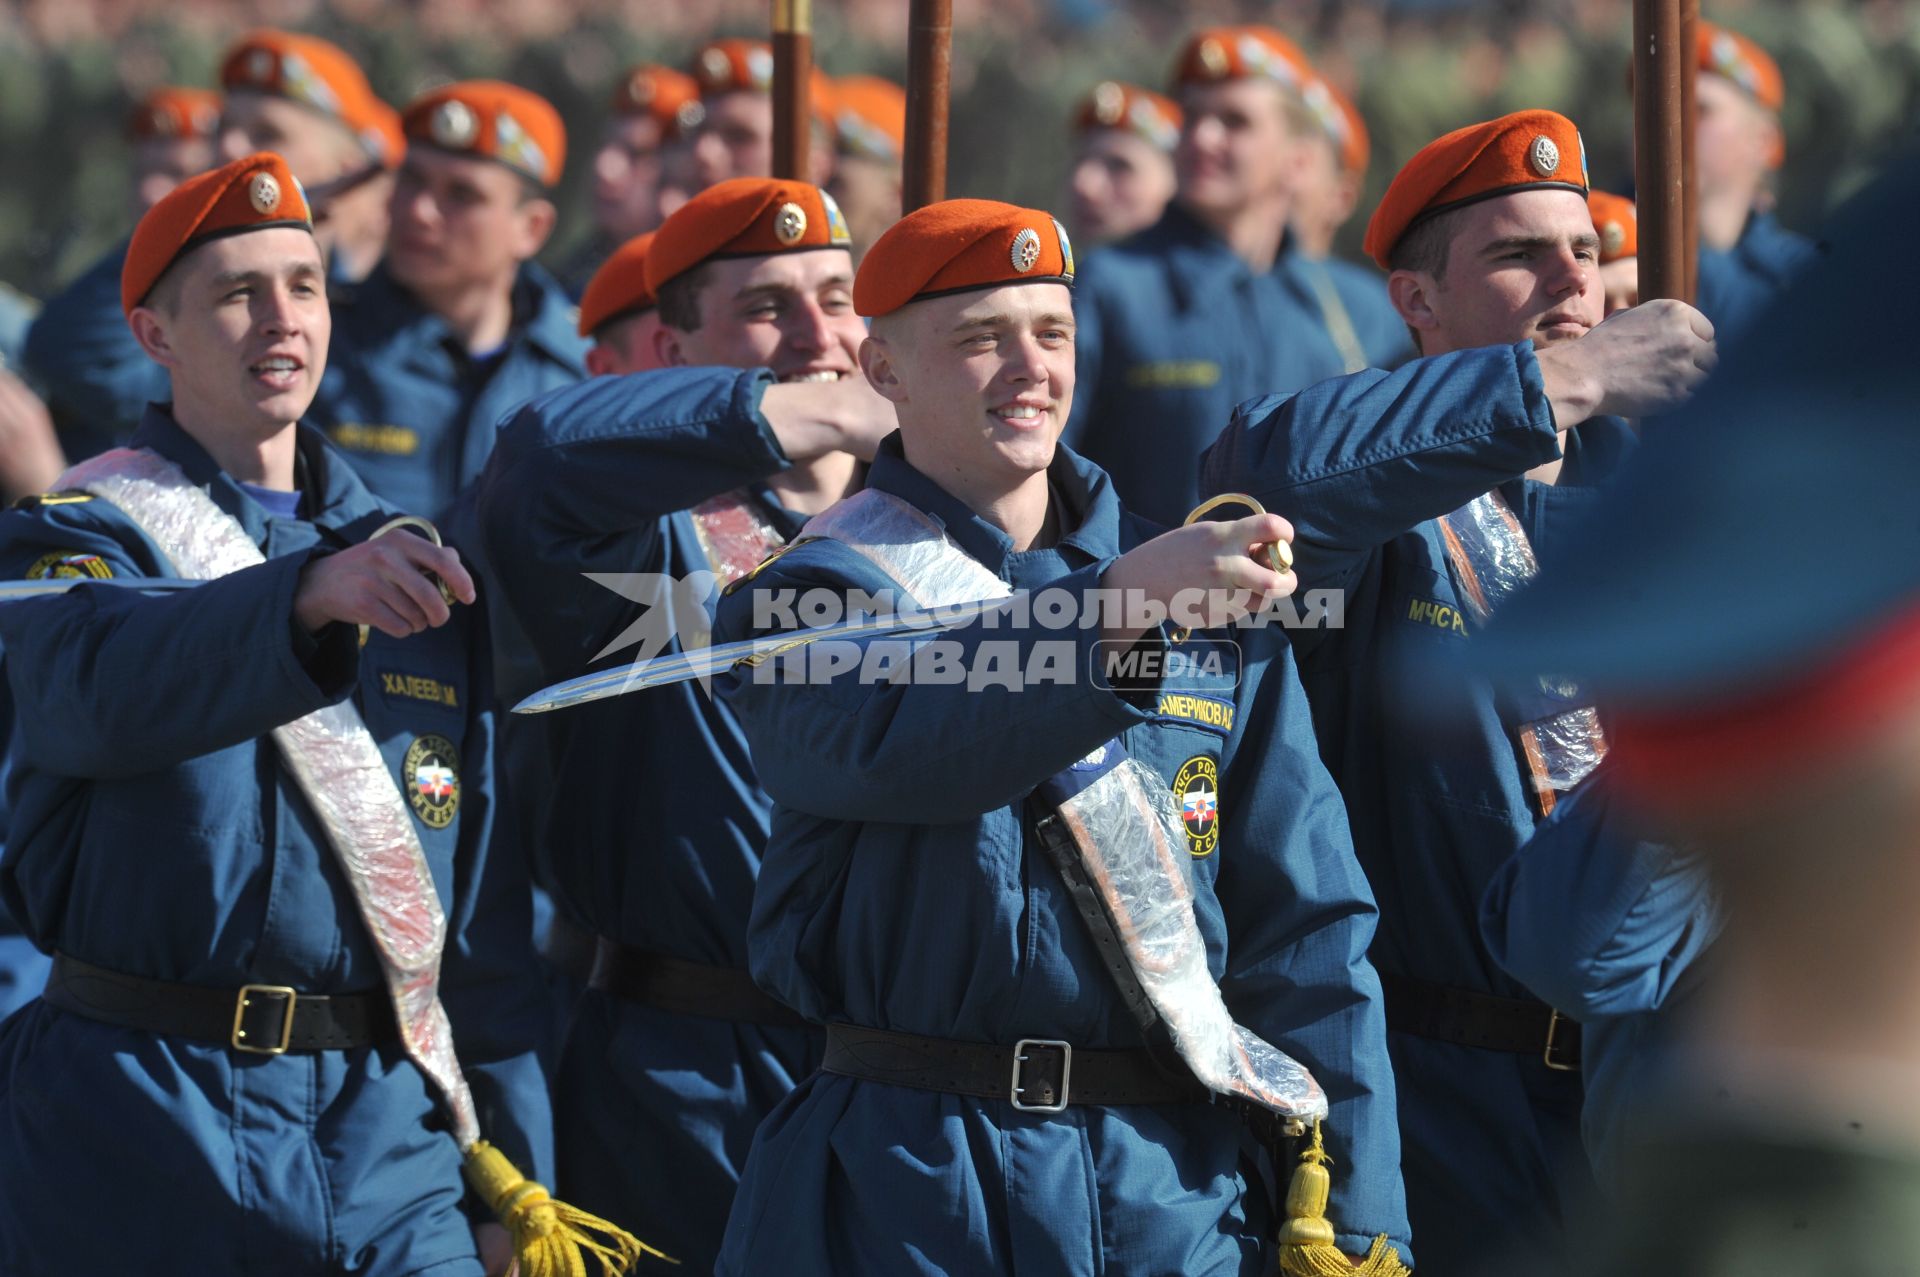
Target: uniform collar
333 496
543 318
1090 509
1199 261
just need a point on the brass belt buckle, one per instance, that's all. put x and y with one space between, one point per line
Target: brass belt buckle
1547 1056
1018 1088
244 999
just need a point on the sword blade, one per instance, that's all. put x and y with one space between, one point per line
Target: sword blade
683 667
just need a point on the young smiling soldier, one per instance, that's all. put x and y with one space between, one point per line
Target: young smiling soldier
240 824
693 474
987 1102
1426 495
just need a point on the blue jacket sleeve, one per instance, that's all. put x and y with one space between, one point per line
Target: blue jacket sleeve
1358 460
833 737
581 477
108 681
490 981
1300 916
1595 920
81 351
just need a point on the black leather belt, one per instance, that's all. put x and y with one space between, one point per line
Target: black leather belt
260 1019
686 988
1522 1026
1035 1075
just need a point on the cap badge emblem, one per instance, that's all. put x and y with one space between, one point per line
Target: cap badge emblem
454 125
263 193
790 223
1026 250
1544 156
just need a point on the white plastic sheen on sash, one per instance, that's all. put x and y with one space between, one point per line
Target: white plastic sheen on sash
337 765
734 534
1492 558
1124 826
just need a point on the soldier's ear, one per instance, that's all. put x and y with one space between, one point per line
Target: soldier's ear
150 330
537 218
876 361
1411 292
666 347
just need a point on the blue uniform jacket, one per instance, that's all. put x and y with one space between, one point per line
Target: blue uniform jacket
96 380
1363 465
1738 284
1174 330
656 819
1610 929
154 831
413 411
1362 291
902 889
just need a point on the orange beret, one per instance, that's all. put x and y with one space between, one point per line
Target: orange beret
957 246
670 97
722 66
745 217
1113 105
1617 225
731 65
619 287
1521 151
170 112
1242 53
870 117
1340 119
316 74
252 194
494 121
1731 54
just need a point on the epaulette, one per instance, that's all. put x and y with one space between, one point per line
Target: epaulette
72 496
760 567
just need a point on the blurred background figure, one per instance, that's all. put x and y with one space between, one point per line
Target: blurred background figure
1205 308
870 139
172 132
1330 190
654 109
458 325
1352 298
80 352
1746 255
1618 225
308 101
1122 174
736 136
1775 733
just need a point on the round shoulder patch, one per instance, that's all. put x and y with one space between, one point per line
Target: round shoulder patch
69 563
431 774
1196 789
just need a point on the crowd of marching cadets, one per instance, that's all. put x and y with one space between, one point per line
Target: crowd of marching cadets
799 977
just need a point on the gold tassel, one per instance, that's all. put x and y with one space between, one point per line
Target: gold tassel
550 1238
1306 1238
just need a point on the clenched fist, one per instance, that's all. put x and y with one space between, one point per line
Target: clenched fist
385 583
